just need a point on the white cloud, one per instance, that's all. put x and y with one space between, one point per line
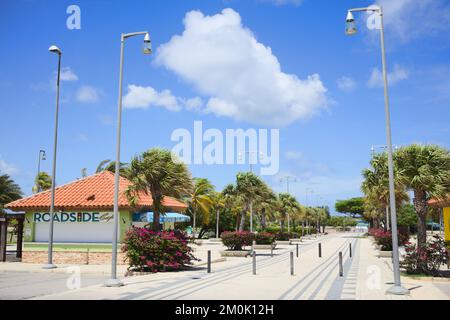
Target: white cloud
410 19
346 83
67 74
193 104
242 78
139 97
397 74
87 94
7 168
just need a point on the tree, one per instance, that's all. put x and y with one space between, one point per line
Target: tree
108 165
425 170
407 216
157 172
376 190
247 188
353 206
9 190
288 205
200 201
42 182
218 203
102 165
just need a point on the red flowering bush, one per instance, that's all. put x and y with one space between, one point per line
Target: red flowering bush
264 238
236 240
426 260
384 238
147 250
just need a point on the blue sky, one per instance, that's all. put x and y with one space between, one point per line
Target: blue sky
324 141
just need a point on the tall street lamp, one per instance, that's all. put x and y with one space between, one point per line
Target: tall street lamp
350 30
50 265
147 49
288 178
41 157
250 161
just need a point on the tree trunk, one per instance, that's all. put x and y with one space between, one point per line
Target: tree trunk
263 218
156 215
282 224
242 222
421 206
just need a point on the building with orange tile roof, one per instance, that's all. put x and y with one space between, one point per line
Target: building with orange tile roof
444 204
84 210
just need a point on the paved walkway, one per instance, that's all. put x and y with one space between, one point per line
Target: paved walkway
365 276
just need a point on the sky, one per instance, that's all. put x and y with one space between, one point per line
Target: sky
250 64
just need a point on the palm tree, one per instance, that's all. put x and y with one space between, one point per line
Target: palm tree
289 205
200 201
9 190
376 187
233 202
426 172
157 172
264 204
247 188
102 165
42 182
218 203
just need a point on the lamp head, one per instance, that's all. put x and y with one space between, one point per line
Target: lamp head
147 47
350 26
55 49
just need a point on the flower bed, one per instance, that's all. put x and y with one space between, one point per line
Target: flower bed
426 260
264 238
237 240
147 250
384 238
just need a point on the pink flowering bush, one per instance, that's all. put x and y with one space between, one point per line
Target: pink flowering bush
384 238
147 250
236 240
426 260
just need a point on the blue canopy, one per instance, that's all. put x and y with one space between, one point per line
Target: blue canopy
164 217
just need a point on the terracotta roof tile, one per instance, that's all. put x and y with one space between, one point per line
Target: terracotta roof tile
91 193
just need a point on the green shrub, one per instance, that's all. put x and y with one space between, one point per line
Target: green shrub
147 250
285 236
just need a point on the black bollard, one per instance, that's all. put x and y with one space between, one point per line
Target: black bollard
292 263
350 249
254 262
341 269
320 250
296 250
209 261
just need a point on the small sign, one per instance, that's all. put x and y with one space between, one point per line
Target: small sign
70 217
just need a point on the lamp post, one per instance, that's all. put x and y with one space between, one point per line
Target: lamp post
113 281
350 30
41 157
50 265
288 179
250 153
372 149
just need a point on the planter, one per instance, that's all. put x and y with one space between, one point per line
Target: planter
296 240
215 240
283 242
264 246
384 254
235 253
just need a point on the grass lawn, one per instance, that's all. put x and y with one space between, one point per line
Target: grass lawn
69 247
